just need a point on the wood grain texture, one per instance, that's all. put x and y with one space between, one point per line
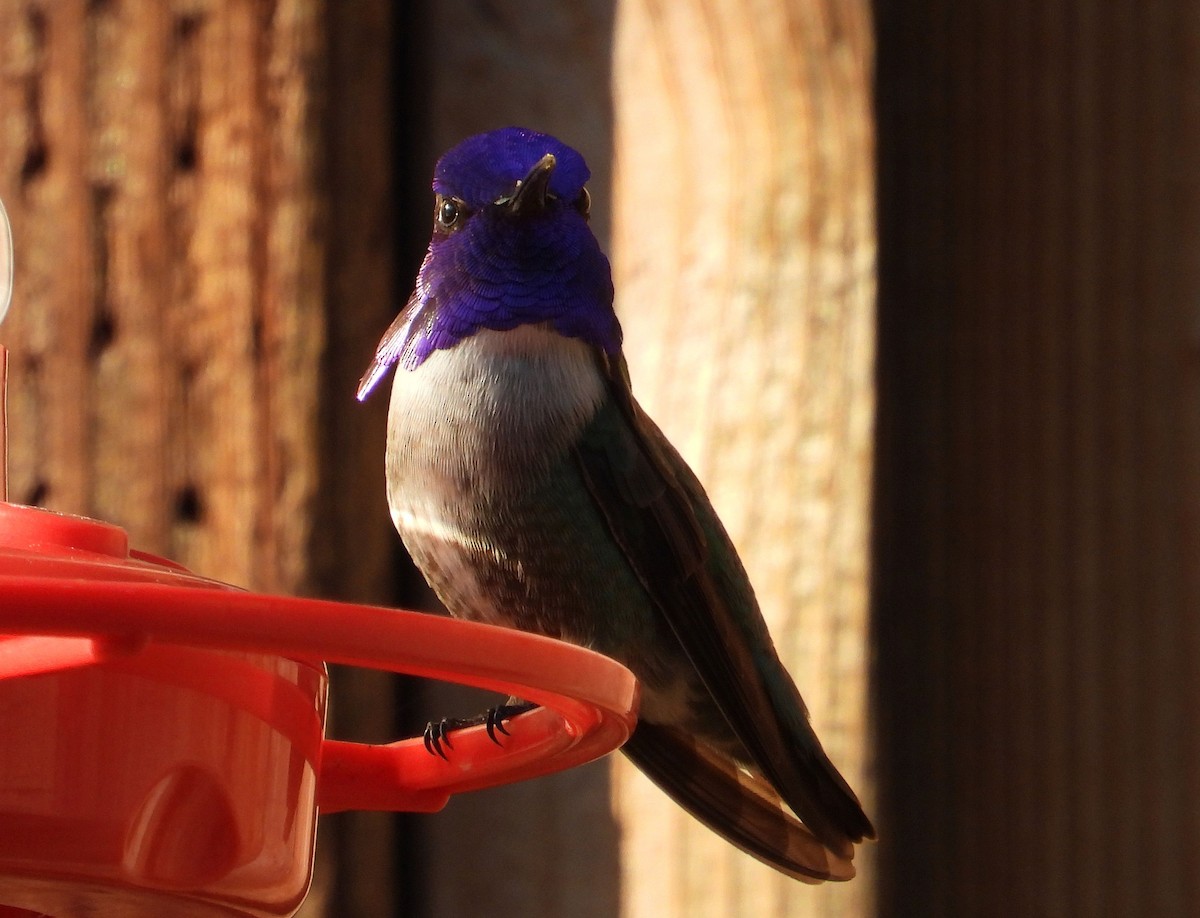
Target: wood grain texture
158 162
744 260
1039 444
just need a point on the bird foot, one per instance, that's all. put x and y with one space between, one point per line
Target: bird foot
437 733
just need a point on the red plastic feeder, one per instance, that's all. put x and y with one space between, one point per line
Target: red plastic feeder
161 735
162 745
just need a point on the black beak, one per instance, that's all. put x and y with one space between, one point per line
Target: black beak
530 194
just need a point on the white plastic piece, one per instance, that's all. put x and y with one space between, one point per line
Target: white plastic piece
6 262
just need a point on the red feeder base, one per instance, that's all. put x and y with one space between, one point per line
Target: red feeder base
162 744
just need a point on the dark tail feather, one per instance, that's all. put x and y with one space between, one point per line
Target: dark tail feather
798 768
736 805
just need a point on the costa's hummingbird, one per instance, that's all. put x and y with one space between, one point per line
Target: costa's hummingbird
532 491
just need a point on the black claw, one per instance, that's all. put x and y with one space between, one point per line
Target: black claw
493 724
437 733
498 715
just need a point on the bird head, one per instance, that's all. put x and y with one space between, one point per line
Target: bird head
511 246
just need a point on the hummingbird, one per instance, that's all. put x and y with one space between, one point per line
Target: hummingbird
533 492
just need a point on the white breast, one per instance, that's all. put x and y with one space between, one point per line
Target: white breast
522 392
472 423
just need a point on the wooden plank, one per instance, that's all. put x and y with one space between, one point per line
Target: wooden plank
1039 439
743 253
353 546
159 163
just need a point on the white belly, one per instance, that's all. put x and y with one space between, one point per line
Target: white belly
470 425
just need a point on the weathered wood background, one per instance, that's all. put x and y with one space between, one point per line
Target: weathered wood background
159 166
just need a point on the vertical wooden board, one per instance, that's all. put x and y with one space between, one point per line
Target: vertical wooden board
1038 331
354 549
353 545
744 257
158 160
541 65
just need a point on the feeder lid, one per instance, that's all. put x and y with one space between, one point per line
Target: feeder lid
75 595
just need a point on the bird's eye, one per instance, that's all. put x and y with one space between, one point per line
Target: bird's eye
450 213
583 203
